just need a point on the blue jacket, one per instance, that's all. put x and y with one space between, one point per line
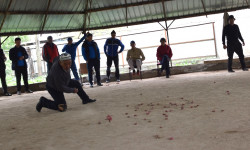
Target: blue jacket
71 49
90 50
111 47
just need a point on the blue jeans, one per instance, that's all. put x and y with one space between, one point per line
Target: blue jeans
74 70
165 64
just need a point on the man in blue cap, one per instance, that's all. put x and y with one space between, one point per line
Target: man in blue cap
111 51
71 49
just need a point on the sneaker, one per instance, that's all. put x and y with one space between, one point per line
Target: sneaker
118 80
231 71
99 84
108 80
18 93
7 94
138 72
91 85
88 101
28 91
39 105
245 69
133 72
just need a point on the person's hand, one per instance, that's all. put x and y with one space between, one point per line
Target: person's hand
76 91
224 46
21 58
243 43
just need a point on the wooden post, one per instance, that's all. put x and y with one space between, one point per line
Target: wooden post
38 56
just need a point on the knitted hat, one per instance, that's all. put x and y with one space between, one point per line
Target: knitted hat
163 39
70 39
65 56
113 32
231 17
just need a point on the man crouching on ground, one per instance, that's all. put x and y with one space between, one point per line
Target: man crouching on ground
59 82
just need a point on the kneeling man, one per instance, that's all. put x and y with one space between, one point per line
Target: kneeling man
59 82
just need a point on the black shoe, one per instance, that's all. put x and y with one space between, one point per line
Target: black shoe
39 105
18 93
138 72
7 94
245 69
28 91
133 72
99 84
167 76
231 71
88 101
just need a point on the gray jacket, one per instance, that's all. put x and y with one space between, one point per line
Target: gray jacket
59 79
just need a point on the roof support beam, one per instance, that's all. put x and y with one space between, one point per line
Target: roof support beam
126 12
82 12
204 7
5 15
85 16
46 14
165 19
120 25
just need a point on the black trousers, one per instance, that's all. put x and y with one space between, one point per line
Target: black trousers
3 78
165 65
21 71
237 48
59 96
49 65
109 64
96 64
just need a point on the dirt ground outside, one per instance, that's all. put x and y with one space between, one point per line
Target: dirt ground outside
197 111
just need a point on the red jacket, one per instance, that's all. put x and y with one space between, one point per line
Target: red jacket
50 52
163 50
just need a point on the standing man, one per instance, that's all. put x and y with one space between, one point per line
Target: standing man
164 54
3 73
71 49
18 55
50 52
232 32
91 54
135 57
111 51
58 82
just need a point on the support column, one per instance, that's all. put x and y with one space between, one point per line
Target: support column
38 56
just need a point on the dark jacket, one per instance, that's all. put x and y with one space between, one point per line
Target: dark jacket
111 47
13 54
90 50
232 32
2 59
58 79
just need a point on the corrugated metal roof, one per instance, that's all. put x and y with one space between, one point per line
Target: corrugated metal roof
44 16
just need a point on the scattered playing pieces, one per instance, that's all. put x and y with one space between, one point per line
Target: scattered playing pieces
109 118
156 136
171 138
